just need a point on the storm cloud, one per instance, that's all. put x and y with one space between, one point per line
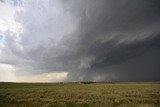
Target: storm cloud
92 40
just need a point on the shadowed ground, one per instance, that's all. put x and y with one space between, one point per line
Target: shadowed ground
79 94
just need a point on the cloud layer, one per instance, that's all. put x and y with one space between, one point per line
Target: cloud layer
91 40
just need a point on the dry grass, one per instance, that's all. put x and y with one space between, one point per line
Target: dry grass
79 95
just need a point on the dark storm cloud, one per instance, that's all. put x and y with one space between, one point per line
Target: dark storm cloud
115 31
91 39
144 67
103 24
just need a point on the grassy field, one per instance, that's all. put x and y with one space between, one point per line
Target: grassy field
80 95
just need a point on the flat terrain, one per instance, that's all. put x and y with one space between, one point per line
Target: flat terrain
80 94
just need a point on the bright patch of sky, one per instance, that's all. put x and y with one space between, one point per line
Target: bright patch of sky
7 18
1 37
8 74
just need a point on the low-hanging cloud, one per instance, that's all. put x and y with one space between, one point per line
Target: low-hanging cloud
92 40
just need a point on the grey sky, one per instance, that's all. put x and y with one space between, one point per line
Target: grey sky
90 40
